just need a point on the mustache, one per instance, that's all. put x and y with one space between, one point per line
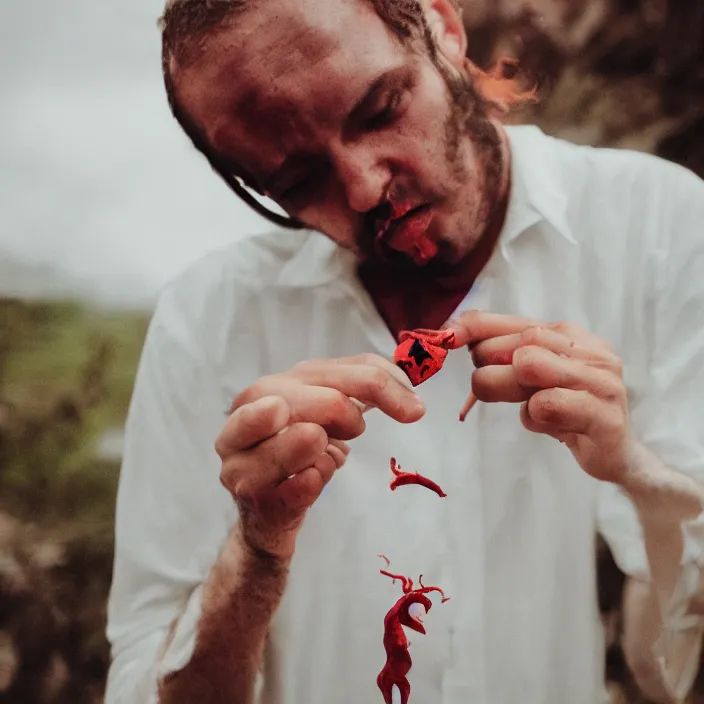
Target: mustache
396 202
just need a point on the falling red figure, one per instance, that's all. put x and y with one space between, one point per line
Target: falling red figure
403 478
398 658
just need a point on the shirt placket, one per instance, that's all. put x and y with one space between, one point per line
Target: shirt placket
464 680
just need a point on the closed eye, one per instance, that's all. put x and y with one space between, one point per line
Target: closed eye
387 114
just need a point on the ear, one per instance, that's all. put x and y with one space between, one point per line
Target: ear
447 28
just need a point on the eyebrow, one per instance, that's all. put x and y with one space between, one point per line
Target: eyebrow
383 81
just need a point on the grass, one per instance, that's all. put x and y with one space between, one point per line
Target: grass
66 376
51 345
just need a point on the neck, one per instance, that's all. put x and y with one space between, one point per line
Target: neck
396 293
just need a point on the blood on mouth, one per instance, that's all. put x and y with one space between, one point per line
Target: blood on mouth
404 231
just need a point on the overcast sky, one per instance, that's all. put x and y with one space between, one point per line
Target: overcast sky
95 176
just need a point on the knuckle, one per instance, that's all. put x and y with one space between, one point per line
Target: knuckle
242 399
547 407
615 363
377 380
253 392
613 420
485 354
306 366
527 362
221 446
338 406
481 386
562 326
531 336
313 435
228 476
369 358
615 391
471 317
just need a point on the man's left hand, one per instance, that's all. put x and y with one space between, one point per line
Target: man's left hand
569 382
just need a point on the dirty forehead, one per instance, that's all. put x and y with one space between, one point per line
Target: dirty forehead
286 70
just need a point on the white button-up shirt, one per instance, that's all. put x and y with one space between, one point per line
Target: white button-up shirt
609 240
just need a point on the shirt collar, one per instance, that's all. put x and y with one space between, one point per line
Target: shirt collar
317 261
536 195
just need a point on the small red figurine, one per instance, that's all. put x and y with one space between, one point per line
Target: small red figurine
421 353
398 658
404 478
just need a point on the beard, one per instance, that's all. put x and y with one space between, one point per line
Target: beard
468 118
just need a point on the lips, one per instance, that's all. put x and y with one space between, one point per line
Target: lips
405 231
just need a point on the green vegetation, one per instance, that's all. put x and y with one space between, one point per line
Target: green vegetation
66 376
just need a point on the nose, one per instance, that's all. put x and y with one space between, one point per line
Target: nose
363 175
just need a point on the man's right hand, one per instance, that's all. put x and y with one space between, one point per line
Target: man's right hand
285 439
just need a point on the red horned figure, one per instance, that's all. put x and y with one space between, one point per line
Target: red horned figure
421 353
398 658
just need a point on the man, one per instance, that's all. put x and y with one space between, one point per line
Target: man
246 559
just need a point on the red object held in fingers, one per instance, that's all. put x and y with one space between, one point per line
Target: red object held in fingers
404 478
398 658
421 353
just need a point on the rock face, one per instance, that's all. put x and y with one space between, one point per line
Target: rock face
622 73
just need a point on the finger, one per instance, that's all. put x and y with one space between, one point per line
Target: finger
499 350
498 385
253 423
538 368
474 326
375 360
288 499
573 411
578 334
538 427
337 414
533 369
326 466
338 454
247 473
300 491
375 385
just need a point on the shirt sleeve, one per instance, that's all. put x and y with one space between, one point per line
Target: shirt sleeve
666 413
172 513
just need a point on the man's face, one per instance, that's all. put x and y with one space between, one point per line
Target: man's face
349 130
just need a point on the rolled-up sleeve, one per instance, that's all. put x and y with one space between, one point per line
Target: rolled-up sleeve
666 415
172 513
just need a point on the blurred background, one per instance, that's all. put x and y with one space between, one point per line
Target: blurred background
102 200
